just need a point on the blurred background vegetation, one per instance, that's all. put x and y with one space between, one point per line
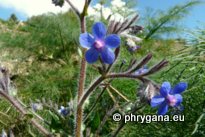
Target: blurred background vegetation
43 57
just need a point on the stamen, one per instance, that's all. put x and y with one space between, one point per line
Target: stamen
98 44
171 100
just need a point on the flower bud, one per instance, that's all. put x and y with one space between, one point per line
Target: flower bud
146 91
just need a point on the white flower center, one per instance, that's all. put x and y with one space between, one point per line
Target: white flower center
171 100
98 44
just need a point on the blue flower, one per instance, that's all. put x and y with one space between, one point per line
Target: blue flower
99 44
168 97
63 111
132 49
142 70
36 106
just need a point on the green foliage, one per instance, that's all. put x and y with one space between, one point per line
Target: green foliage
44 50
13 18
53 34
161 22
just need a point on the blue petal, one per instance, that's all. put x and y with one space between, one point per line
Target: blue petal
179 88
157 100
99 30
107 55
179 99
165 89
163 108
91 55
86 40
112 41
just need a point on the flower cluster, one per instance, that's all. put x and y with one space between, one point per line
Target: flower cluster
168 97
99 44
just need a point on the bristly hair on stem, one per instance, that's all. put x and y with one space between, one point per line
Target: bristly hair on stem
79 113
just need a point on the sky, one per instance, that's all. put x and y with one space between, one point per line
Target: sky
193 20
27 8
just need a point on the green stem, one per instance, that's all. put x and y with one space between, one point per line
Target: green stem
197 123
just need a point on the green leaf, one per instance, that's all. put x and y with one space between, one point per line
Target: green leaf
95 122
55 125
28 117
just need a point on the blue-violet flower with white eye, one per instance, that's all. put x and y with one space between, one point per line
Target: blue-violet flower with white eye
99 44
63 111
168 97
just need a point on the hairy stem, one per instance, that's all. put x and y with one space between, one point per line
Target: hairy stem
125 75
89 91
19 107
81 83
73 8
101 78
79 114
